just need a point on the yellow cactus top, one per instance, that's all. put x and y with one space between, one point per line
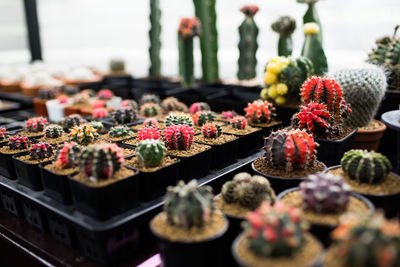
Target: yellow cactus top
311 28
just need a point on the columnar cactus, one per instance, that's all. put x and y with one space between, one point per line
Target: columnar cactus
238 122
4 136
325 193
19 142
150 153
83 134
129 103
173 104
146 133
260 111
124 115
151 122
150 110
248 46
41 151
248 191
311 15
188 205
178 118
48 93
285 27
36 124
149 98
312 48
290 149
201 117
365 166
199 106
155 40
315 118
179 137
120 131
105 94
274 231
67 155
53 131
71 121
211 130
227 115
100 161
99 113
97 125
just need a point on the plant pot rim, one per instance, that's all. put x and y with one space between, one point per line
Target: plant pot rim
390 121
340 140
380 129
364 194
212 145
183 157
178 160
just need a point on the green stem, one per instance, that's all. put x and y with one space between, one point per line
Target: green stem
285 46
155 41
311 15
186 60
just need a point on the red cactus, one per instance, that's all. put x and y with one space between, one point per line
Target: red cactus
36 124
148 133
314 118
179 137
249 10
99 104
238 122
99 113
151 122
260 111
19 142
211 130
198 106
62 99
3 135
228 114
105 94
189 27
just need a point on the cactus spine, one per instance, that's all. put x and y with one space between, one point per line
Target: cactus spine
150 152
155 41
285 27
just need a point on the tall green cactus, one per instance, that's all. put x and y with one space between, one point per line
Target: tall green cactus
313 50
205 11
154 35
311 15
248 46
285 27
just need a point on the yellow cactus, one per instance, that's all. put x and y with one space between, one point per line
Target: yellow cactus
269 78
311 28
264 93
281 89
280 100
272 92
274 67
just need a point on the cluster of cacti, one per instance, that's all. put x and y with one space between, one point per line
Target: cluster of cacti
129 103
211 130
124 115
67 155
100 161
179 137
149 98
117 65
83 134
99 104
3 135
199 106
260 111
201 117
41 150
289 149
312 48
173 104
274 231
363 88
99 113
188 29
150 122
97 125
81 99
48 93
120 131
19 142
238 122
178 118
155 40
315 118
36 124
71 121
365 166
368 241
248 46
150 110
146 133
105 94
227 115
189 205
325 193
53 131
150 152
248 191
285 27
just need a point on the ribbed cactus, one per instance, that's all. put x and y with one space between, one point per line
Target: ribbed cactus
150 153
124 115
311 15
274 231
205 11
105 94
211 130
155 39
36 124
199 106
146 133
188 29
315 118
248 46
19 142
363 88
53 131
178 137
238 122
149 98
97 125
99 113
83 134
120 131
129 103
173 104
312 48
4 136
150 110
285 27
201 117
67 155
41 151
248 191
260 111
188 205
365 166
150 122
71 121
176 118
325 193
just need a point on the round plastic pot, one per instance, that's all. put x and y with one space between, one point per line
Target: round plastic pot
389 147
106 201
331 152
28 174
55 186
7 168
369 139
224 154
194 167
249 144
323 231
388 203
195 254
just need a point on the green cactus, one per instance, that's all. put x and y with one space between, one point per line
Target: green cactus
155 41
120 131
175 118
150 153
53 131
285 27
117 65
312 48
311 15
205 11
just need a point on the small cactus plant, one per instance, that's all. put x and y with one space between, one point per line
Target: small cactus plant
150 110
150 98
325 193
97 125
150 122
238 122
312 48
41 151
19 142
211 130
260 111
199 106
71 121
48 93
173 104
285 27
146 133
129 103
120 131
81 99
188 205
67 155
248 191
36 124
150 152
99 113
178 137
315 118
83 134
100 161
178 118
53 131
124 115
365 166
227 115
4 136
201 117
105 94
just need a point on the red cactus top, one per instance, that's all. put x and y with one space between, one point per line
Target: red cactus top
189 27
249 10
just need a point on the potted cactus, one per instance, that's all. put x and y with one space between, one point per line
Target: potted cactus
368 173
83 134
156 170
224 146
118 134
365 241
202 117
276 236
39 102
322 200
285 27
55 174
261 114
312 48
150 110
70 121
150 98
226 116
199 106
144 133
289 156
17 144
54 134
27 164
4 136
110 99
190 231
122 116
173 104
130 103
34 127
104 186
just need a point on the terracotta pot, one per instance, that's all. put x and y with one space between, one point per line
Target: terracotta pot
30 91
10 87
39 105
369 139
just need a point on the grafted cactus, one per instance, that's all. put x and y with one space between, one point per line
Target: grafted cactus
4 136
150 122
150 152
315 118
19 142
155 40
173 104
41 151
201 117
67 155
313 49
238 122
146 133
199 106
83 134
99 113
129 103
179 137
285 27
211 130
149 98
311 15
71 121
105 94
260 111
124 115
150 110
36 124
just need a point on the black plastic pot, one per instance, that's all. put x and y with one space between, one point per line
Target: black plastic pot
249 144
7 165
55 186
330 152
28 174
107 201
266 130
388 203
285 114
323 231
10 203
224 154
34 215
194 254
194 167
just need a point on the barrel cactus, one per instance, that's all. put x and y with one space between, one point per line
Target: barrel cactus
83 134
150 98
99 113
150 110
211 130
4 135
285 27
314 118
150 153
129 103
260 111
201 117
71 121
124 115
199 106
146 133
173 104
238 122
227 115
41 151
178 118
53 131
19 142
179 137
120 131
67 155
36 124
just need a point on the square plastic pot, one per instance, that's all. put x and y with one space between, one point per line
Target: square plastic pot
11 203
28 174
224 154
194 167
34 215
7 165
60 230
